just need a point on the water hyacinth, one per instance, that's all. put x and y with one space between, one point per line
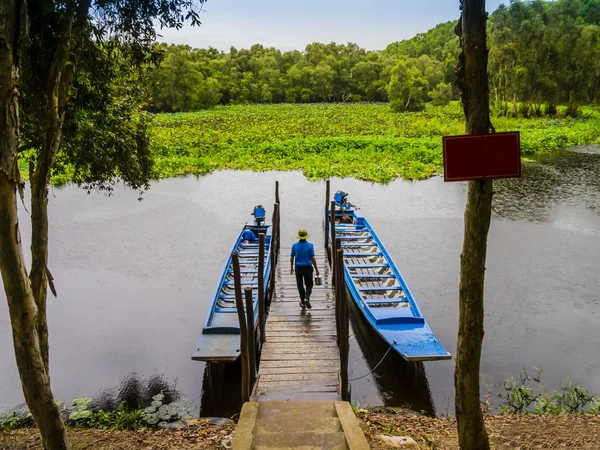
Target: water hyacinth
160 413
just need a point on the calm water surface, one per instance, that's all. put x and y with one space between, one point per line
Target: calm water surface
135 280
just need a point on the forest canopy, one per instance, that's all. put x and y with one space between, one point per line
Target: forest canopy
542 53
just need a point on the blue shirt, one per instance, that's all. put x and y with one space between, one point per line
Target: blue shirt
303 251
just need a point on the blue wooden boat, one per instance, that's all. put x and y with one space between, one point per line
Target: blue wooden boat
220 337
379 290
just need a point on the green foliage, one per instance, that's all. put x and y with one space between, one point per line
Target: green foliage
541 53
530 397
82 410
365 141
545 52
10 422
161 413
121 419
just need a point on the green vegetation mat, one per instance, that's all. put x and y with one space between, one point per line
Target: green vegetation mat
365 140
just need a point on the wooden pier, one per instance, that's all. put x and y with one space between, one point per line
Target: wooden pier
300 359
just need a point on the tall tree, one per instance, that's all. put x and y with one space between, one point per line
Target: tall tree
55 39
22 306
472 80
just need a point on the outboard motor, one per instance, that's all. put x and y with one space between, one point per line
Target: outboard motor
341 198
259 215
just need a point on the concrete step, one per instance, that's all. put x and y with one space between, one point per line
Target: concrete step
301 425
300 440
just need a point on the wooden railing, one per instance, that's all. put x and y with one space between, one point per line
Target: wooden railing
342 317
246 317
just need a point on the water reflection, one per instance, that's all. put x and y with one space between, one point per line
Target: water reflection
221 390
563 180
135 391
399 382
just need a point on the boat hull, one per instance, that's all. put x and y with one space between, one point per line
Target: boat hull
380 292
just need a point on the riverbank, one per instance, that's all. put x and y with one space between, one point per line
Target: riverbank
571 431
362 140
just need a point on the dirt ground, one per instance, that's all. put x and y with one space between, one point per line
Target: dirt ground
204 437
505 432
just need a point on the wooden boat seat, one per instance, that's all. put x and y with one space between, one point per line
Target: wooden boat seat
370 275
367 266
359 244
377 259
403 303
380 288
243 283
230 296
223 322
250 253
394 316
363 254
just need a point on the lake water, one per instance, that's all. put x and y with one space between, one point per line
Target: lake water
135 279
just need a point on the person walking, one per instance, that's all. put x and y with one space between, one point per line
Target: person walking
304 254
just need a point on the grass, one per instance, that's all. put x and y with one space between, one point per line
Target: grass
364 141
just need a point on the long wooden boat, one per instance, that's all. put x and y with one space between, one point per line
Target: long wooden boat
220 337
379 290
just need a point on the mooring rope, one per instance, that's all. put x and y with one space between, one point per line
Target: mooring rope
374 368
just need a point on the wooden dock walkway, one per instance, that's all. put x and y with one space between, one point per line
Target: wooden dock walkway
300 359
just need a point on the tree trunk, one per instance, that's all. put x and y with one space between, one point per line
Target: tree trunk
21 304
60 81
39 261
472 79
23 318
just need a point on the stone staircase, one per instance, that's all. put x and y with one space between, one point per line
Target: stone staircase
298 425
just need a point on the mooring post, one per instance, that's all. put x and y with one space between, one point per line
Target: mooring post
344 325
278 215
276 226
239 304
273 250
251 338
326 216
332 228
262 309
338 300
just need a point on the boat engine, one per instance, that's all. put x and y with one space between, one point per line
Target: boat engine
341 198
259 215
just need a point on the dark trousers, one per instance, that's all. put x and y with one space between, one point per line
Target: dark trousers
304 277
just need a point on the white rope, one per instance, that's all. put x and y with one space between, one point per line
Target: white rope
374 368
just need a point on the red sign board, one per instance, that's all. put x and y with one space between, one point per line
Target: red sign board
482 156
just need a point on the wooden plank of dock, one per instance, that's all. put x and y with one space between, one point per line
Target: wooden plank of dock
300 359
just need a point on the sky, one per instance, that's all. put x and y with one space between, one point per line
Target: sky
291 25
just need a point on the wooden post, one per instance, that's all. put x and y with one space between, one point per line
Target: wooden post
326 216
276 229
332 231
278 212
273 250
338 298
344 325
262 310
239 304
251 338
